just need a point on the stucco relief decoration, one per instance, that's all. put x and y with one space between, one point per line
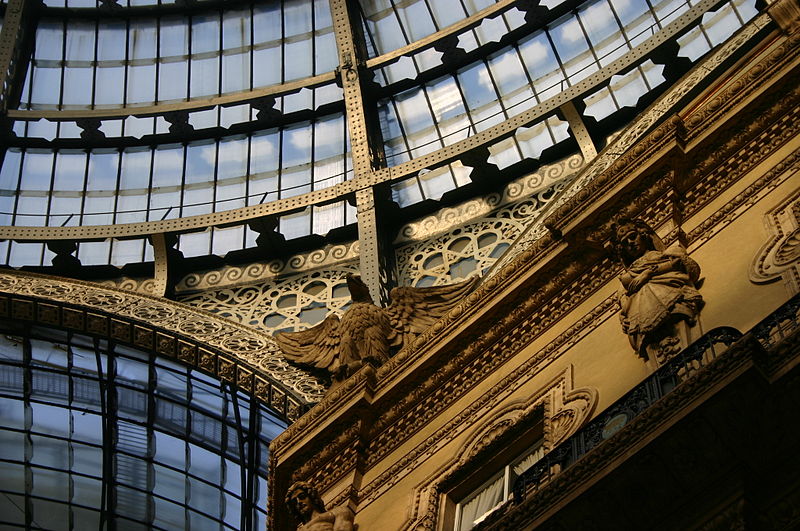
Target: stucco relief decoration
659 299
337 348
566 409
779 258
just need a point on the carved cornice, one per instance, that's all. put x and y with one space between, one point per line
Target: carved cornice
230 351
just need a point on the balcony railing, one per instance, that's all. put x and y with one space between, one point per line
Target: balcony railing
769 332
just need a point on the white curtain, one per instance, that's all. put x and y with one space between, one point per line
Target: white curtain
483 502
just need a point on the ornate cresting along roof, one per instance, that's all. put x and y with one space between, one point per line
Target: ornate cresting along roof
235 353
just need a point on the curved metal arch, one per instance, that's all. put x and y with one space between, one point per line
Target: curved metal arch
224 349
432 160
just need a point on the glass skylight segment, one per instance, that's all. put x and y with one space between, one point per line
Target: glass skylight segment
605 35
480 96
573 49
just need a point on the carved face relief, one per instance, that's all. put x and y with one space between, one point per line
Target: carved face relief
633 241
302 503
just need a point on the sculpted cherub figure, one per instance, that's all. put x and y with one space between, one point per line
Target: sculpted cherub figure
305 504
366 332
659 290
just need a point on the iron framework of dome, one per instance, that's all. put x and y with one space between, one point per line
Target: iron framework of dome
240 158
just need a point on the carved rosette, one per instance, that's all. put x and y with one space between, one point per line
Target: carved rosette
779 258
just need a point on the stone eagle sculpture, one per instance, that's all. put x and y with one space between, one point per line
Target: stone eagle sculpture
365 332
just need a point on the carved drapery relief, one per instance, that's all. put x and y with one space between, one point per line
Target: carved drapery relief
659 298
779 258
238 342
478 243
566 409
291 304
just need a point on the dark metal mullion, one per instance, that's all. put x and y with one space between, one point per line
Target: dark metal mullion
655 15
128 66
149 196
515 46
88 156
186 436
467 109
49 197
157 59
151 421
253 458
502 107
189 58
736 12
182 201
23 154
433 18
622 27
433 115
220 70
245 516
70 446
400 24
403 133
252 52
313 174
108 408
63 65
215 189
365 26
96 63
283 48
27 388
120 154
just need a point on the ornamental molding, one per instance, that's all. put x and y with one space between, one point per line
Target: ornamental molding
569 268
565 409
232 276
779 257
235 353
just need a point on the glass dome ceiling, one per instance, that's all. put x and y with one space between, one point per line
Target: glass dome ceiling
197 118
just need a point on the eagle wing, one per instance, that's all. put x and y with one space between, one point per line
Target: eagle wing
414 310
317 347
